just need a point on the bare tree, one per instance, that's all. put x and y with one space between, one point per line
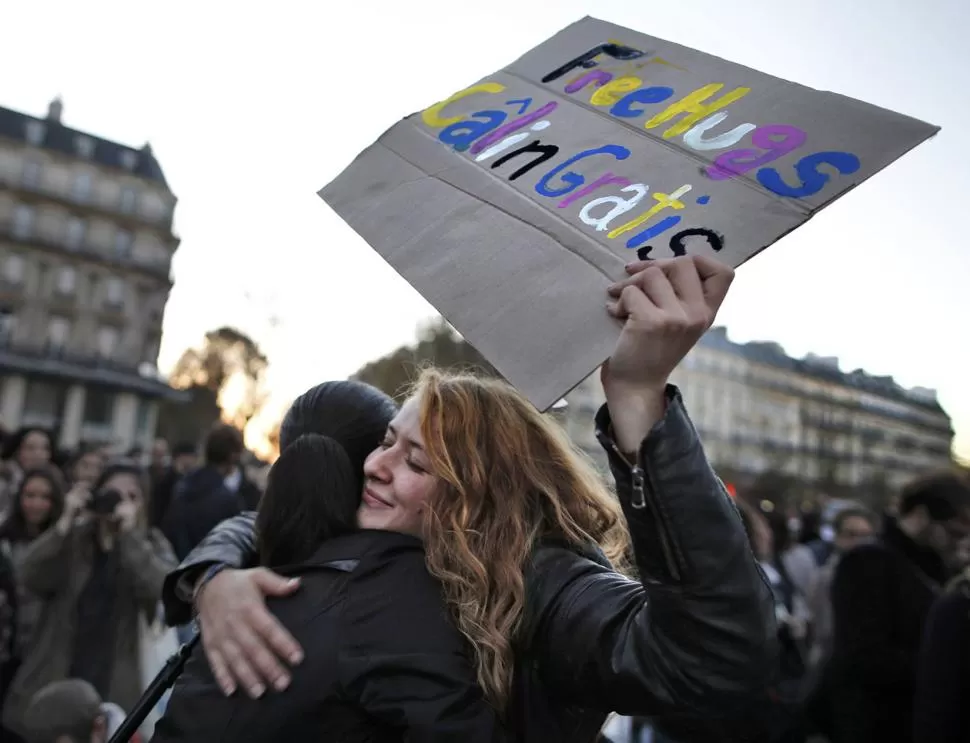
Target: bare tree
227 357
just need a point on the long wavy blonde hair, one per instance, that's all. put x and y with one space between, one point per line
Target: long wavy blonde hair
509 477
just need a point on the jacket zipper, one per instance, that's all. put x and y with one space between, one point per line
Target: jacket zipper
641 480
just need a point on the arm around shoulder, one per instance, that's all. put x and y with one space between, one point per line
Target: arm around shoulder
231 543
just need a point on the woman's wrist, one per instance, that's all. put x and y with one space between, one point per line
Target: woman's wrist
634 411
203 580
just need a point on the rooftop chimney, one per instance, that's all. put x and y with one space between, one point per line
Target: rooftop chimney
55 110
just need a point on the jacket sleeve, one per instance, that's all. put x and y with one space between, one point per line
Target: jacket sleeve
862 611
45 567
232 543
146 558
697 631
404 662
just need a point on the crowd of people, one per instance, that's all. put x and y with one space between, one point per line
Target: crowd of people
453 570
873 614
86 539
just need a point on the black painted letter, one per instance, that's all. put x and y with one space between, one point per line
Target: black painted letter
545 152
713 239
587 60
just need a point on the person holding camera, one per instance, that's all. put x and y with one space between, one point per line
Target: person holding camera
95 570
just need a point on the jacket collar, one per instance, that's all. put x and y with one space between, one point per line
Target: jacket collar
344 552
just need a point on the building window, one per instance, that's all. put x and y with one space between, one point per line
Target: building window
143 416
128 199
99 407
43 404
82 187
14 269
84 146
66 280
35 131
23 221
129 159
8 324
107 341
31 174
123 242
58 330
76 229
115 293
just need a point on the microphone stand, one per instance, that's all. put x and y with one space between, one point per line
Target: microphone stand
156 689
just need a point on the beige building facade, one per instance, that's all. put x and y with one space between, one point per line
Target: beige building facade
86 245
758 410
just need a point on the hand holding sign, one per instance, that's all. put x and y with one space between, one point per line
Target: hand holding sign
665 306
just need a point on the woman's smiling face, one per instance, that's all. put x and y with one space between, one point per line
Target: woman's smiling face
397 479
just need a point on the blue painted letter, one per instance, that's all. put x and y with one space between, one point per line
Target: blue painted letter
812 181
575 180
643 95
461 135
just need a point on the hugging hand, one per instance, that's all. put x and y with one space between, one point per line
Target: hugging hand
244 643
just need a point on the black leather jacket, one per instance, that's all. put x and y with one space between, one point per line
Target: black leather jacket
384 663
693 638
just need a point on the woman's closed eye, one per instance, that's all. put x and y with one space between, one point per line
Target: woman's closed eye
416 467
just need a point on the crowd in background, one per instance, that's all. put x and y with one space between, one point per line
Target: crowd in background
873 613
86 539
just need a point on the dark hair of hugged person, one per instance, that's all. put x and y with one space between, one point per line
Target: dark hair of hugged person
311 496
352 413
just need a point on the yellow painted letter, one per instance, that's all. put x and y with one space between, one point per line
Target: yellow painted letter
432 116
614 91
663 201
695 108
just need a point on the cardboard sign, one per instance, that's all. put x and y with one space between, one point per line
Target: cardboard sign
513 204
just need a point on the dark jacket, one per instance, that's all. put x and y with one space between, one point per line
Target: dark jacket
163 488
696 633
201 501
382 659
881 595
943 678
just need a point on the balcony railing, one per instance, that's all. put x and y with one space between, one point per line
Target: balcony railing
18 234
88 201
44 359
54 352
937 421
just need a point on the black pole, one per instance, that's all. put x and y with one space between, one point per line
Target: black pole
159 685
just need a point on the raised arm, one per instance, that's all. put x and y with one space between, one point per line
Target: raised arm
697 631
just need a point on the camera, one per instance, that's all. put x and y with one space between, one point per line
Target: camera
104 502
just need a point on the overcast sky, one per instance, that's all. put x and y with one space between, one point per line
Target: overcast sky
251 112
